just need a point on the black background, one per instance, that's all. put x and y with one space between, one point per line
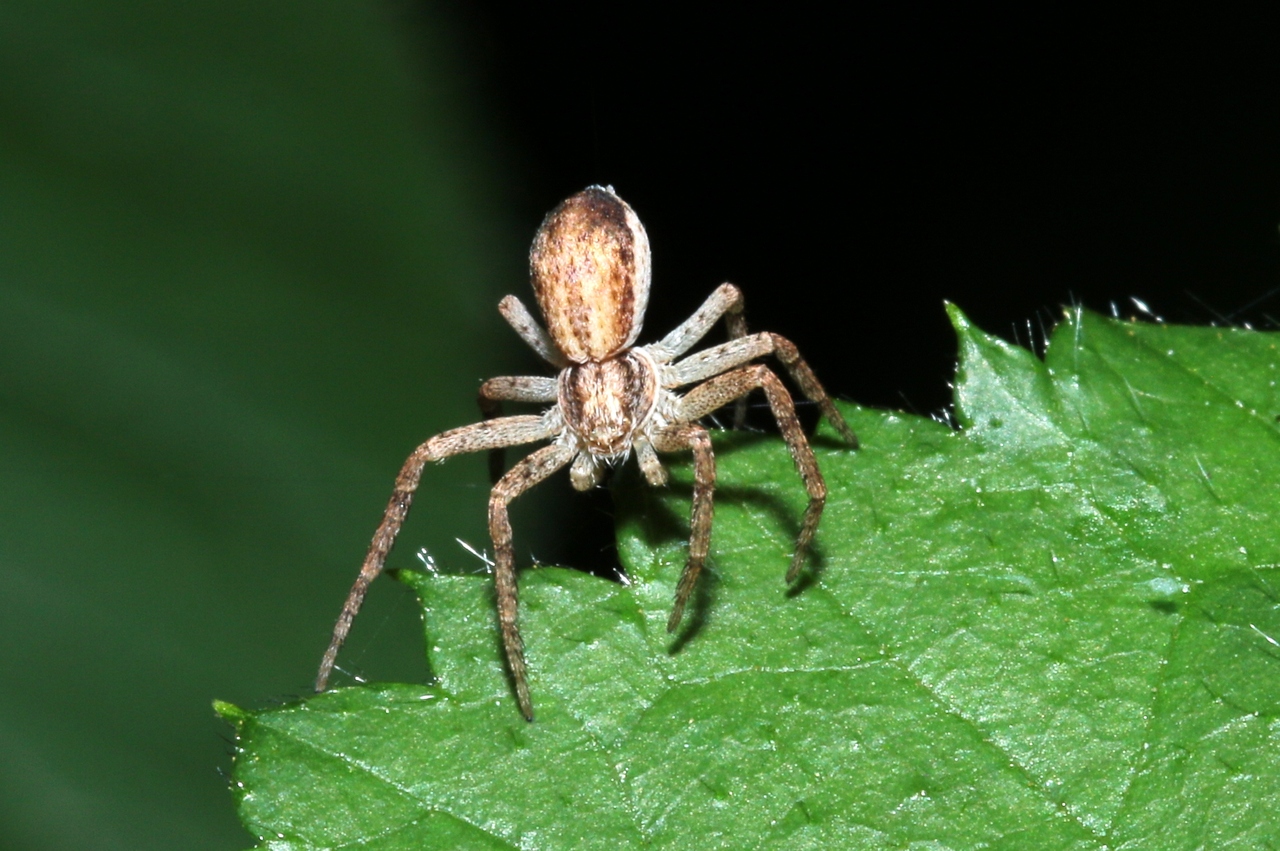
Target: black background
851 169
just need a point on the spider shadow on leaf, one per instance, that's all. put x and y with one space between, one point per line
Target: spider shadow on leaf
660 524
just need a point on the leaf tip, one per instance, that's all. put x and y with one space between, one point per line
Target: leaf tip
229 712
959 321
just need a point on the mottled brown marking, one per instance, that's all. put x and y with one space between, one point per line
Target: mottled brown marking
589 266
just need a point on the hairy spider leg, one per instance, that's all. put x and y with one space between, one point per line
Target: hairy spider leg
525 474
534 335
511 388
721 390
508 431
725 301
718 359
673 439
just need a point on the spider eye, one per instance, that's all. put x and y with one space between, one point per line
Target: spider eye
590 271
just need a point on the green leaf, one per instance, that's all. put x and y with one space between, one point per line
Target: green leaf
1055 628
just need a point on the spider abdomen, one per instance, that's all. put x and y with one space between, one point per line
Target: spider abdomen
590 271
605 403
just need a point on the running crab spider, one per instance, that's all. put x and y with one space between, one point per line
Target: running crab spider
590 272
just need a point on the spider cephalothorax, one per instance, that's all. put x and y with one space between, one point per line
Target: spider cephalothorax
590 271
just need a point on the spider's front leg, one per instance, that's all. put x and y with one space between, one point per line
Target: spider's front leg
524 475
722 390
511 388
508 431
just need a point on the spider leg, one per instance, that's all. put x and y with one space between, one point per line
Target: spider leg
534 335
725 301
739 407
726 356
520 388
673 439
721 390
524 475
508 431
650 465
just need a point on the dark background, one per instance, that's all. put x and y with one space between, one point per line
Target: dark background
250 256
851 168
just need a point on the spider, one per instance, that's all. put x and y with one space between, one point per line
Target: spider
590 271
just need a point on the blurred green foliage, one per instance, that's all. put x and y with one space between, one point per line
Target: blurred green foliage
249 256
